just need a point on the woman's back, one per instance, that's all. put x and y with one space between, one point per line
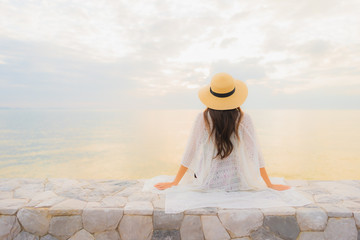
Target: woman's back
227 173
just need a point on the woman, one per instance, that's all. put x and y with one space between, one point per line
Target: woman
222 152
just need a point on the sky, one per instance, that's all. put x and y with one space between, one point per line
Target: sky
157 54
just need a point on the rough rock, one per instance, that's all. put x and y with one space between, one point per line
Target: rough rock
164 220
101 219
135 227
48 237
26 236
64 227
341 228
336 211
82 235
113 201
357 218
284 226
142 196
241 223
279 211
201 211
166 235
139 208
311 236
213 229
191 228
34 220
68 207
12 205
107 235
311 219
263 233
9 227
42 196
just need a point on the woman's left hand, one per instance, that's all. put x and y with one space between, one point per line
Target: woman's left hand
164 185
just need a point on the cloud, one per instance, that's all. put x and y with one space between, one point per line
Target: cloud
101 54
227 42
243 69
315 47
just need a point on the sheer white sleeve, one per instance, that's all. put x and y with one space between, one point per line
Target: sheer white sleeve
251 141
193 141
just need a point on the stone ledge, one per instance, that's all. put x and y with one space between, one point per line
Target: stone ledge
52 208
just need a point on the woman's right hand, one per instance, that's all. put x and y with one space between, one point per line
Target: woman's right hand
279 187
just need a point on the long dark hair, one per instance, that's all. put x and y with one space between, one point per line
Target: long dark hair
225 123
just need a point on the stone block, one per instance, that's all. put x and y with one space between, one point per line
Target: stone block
113 201
139 208
159 203
28 191
313 189
135 227
202 211
142 196
12 205
68 207
213 229
48 237
92 204
128 191
311 236
64 227
50 202
94 195
9 227
357 218
352 205
166 235
191 228
334 210
168 221
107 235
34 220
327 198
82 235
26 236
40 197
279 211
263 233
341 229
101 219
241 223
285 227
311 219
5 195
10 184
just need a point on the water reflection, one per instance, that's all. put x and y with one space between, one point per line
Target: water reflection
307 144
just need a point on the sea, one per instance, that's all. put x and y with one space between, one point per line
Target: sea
306 144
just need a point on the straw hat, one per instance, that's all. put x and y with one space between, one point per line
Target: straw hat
224 92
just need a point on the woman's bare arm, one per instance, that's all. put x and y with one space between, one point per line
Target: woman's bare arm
180 174
279 187
265 176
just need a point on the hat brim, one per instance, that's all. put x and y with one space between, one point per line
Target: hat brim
231 102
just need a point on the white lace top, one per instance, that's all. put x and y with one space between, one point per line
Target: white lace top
238 171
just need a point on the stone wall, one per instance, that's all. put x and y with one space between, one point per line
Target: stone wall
52 208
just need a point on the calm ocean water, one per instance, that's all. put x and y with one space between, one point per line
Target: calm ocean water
107 144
